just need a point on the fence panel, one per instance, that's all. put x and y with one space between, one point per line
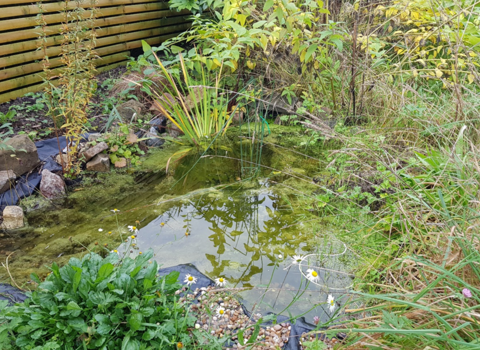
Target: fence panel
121 26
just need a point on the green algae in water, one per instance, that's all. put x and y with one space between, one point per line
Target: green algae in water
246 232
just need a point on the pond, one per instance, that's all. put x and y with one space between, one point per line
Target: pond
206 212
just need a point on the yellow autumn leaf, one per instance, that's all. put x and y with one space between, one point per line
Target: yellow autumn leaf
217 62
471 78
415 73
438 73
472 54
251 64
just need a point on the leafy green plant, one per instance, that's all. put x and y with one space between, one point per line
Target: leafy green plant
100 303
123 145
4 136
194 6
198 107
7 117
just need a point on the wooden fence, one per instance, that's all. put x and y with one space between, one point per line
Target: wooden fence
121 27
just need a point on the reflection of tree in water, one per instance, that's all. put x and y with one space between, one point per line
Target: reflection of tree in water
232 219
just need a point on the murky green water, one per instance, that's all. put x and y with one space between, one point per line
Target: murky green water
246 231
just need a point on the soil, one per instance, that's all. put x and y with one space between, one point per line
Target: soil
31 117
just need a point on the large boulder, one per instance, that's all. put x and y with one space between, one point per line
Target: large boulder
52 185
20 156
12 217
93 151
7 178
101 163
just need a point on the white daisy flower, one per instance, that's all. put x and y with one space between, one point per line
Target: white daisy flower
189 279
331 302
220 311
312 275
280 256
220 282
100 229
297 259
133 229
115 210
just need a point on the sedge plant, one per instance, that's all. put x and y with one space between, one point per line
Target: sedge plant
196 106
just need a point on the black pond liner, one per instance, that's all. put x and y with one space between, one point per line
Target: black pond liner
26 184
298 327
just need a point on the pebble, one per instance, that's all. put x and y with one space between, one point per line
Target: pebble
234 319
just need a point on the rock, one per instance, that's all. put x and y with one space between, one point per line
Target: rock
93 151
127 109
7 178
158 124
62 157
101 163
94 137
121 163
25 155
12 217
52 185
173 130
153 140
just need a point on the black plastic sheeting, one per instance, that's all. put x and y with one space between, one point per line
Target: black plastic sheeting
26 184
298 327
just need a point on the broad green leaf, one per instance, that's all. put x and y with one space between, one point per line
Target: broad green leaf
268 5
73 306
104 272
310 51
135 321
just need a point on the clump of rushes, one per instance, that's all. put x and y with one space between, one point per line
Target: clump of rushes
196 106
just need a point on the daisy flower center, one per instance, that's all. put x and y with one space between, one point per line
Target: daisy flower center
331 302
221 312
221 280
190 278
314 273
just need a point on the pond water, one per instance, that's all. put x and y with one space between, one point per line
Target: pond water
246 231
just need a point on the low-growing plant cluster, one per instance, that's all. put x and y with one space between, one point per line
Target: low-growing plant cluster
100 303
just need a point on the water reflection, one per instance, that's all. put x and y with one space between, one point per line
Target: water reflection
245 236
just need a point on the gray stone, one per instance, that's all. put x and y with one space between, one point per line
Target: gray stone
52 186
127 109
7 178
173 130
153 140
12 217
22 158
101 163
94 150
94 137
62 157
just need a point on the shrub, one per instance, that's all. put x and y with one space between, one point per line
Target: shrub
99 303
